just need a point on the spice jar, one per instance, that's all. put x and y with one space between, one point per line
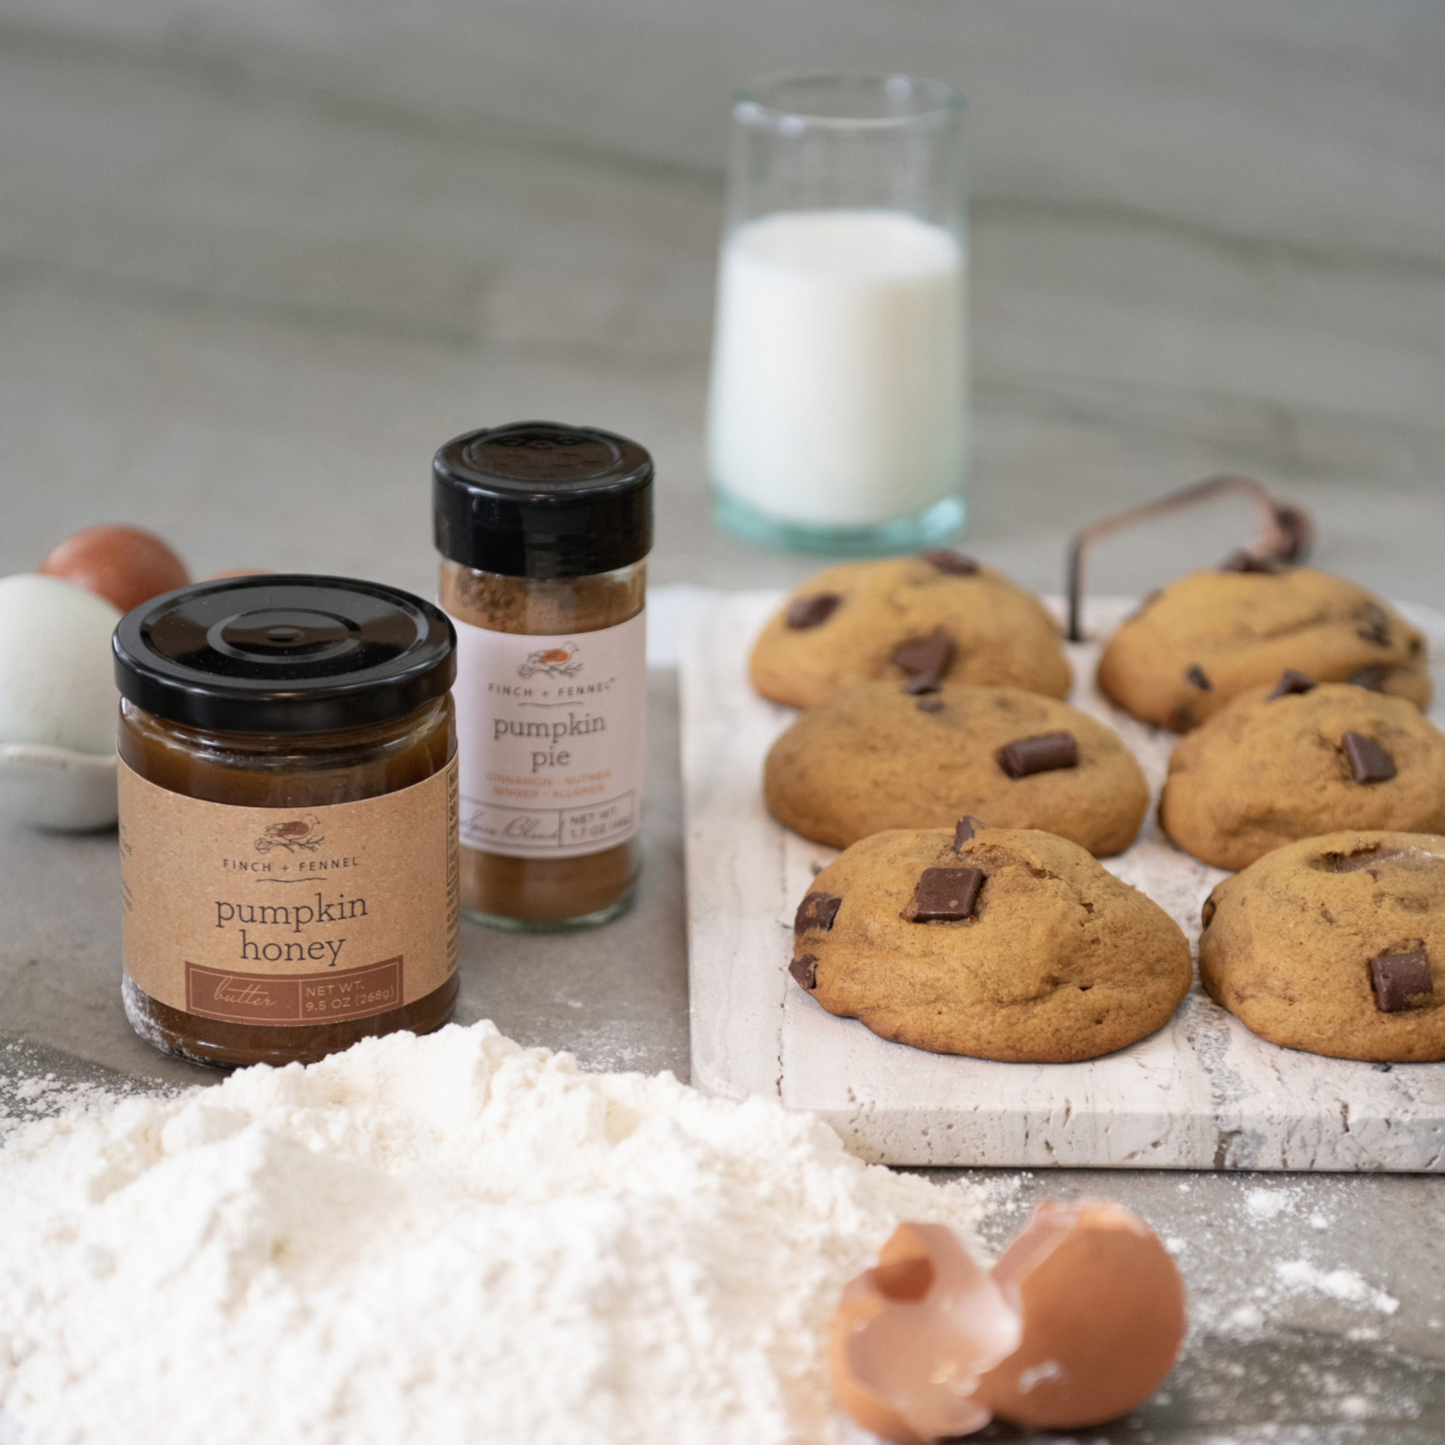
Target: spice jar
543 531
288 815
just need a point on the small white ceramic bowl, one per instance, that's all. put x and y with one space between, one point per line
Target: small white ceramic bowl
56 788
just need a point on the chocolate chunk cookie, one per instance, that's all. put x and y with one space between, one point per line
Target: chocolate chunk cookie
1300 759
999 943
1210 636
1334 945
874 756
919 619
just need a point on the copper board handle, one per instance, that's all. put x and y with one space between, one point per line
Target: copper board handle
1285 536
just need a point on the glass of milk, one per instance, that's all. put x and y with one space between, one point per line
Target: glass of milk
838 414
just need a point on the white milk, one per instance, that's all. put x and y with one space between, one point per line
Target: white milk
838 366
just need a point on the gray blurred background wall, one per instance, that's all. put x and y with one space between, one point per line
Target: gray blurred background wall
1307 121
258 259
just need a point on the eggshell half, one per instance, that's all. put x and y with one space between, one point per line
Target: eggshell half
1103 1315
912 1336
122 564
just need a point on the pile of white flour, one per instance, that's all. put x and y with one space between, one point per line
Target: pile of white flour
444 1240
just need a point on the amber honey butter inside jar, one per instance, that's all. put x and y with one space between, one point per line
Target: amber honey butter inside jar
288 817
544 531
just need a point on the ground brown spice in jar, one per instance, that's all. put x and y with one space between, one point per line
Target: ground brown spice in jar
545 890
543 532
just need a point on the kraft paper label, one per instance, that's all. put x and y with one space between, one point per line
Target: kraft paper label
290 916
550 737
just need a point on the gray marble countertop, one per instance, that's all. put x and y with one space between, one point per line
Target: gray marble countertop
245 292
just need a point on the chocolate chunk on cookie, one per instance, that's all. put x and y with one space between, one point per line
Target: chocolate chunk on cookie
1401 979
1368 759
865 759
1363 860
1374 677
1242 630
926 660
1246 561
1332 959
955 564
1019 947
811 611
1292 683
1276 766
1374 625
816 911
804 969
945 895
1045 753
848 623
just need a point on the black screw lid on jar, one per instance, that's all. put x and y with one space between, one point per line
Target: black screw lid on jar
284 653
538 499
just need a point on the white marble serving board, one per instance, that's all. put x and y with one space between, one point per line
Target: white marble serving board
1202 1093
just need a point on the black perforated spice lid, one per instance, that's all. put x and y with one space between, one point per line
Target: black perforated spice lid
284 653
538 499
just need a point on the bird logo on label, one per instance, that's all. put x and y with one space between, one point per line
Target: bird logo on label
552 662
294 834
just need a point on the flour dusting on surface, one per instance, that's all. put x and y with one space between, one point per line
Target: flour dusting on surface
1340 1284
1268 1203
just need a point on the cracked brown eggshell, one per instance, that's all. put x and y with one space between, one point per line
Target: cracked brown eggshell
911 1337
1078 1322
1103 1315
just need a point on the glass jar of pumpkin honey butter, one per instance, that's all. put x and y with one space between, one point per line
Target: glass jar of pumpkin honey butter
288 817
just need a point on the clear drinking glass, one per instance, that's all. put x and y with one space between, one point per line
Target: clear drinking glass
839 405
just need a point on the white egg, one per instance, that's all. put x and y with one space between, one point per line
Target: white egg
56 684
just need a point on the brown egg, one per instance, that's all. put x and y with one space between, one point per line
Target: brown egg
239 572
911 1337
122 564
1102 1308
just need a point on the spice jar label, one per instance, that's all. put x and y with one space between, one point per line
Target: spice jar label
282 916
550 738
